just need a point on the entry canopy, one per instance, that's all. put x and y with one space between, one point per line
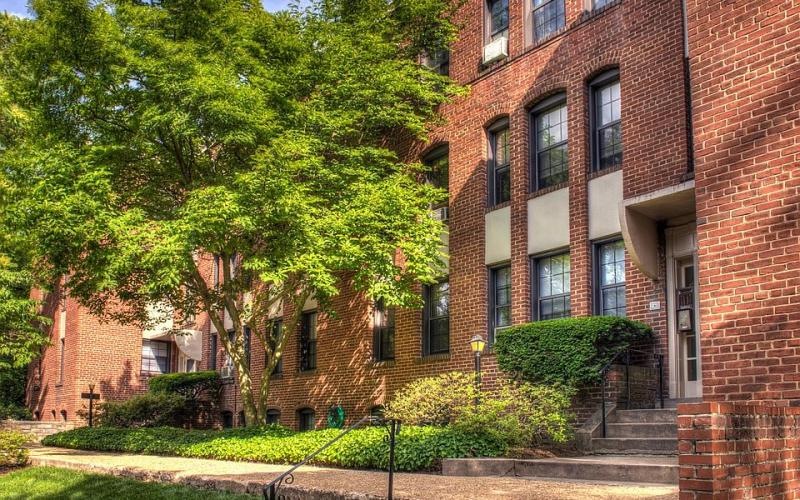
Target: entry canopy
639 217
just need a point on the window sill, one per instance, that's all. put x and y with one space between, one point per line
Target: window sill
548 189
307 373
499 206
433 358
600 173
386 363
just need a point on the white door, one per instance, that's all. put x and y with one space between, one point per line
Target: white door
688 340
685 372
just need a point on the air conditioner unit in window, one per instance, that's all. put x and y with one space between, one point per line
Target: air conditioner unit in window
441 213
495 50
226 371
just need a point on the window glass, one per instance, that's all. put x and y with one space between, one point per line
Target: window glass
437 311
438 61
438 173
611 278
498 16
553 275
306 419
273 417
608 124
308 341
501 172
155 356
549 16
384 324
552 161
501 300
601 3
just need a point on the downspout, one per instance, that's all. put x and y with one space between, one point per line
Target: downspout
687 89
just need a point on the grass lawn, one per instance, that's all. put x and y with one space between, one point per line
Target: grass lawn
50 483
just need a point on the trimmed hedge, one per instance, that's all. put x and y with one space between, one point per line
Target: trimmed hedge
418 448
144 410
190 384
570 350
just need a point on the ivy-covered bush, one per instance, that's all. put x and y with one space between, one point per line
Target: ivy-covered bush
12 448
418 448
517 414
191 385
571 350
144 410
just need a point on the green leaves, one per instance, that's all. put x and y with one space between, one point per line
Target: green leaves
570 350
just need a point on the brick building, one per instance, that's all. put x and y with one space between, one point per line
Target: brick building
612 157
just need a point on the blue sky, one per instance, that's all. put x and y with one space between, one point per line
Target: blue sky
20 7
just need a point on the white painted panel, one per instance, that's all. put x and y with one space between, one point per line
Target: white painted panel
548 221
498 235
605 194
311 304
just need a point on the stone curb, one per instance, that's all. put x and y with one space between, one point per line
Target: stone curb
286 491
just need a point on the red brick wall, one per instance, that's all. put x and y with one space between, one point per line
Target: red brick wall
738 451
103 353
745 69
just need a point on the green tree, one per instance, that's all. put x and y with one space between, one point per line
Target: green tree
163 132
22 330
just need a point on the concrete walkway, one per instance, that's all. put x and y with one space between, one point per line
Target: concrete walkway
327 483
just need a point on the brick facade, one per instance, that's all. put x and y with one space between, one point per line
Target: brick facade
739 451
745 66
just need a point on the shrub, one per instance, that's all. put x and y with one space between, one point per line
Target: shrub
191 385
418 448
516 414
12 448
14 412
144 410
570 350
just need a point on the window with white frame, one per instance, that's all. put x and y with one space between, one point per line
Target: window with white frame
499 164
549 17
551 158
499 300
155 356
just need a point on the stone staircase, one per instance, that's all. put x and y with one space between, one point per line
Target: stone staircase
638 432
640 446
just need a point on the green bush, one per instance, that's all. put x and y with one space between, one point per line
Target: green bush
516 414
14 412
144 410
191 385
12 448
570 350
418 448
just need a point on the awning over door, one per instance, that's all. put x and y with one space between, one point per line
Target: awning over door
639 217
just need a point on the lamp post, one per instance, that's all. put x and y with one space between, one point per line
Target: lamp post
477 343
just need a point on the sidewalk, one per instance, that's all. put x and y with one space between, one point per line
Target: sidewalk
327 483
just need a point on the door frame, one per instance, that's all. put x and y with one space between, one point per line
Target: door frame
681 242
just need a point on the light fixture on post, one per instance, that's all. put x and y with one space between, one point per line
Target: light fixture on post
478 344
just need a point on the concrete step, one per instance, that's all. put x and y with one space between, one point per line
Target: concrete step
666 416
639 469
642 430
673 403
635 446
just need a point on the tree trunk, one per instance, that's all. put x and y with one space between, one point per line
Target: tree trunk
251 414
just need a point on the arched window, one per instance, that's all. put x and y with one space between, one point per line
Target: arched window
306 420
227 419
549 159
606 117
499 163
273 417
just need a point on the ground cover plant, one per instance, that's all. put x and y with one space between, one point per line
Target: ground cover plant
50 483
418 448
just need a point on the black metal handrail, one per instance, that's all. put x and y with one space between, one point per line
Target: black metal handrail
604 372
271 489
